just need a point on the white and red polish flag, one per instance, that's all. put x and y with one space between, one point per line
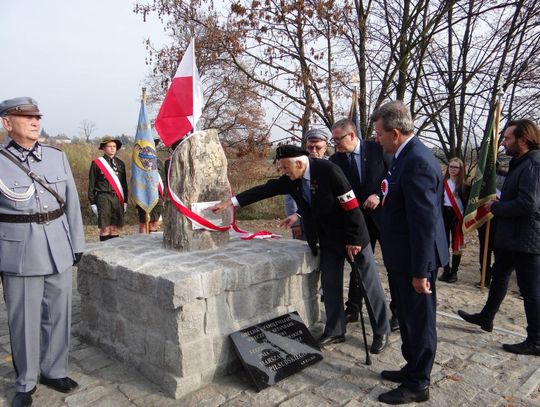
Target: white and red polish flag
182 106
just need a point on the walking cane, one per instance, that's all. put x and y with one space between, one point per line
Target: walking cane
363 299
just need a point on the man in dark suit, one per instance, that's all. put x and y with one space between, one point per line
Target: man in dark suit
413 247
364 165
331 218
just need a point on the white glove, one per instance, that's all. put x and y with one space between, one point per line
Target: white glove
94 209
125 207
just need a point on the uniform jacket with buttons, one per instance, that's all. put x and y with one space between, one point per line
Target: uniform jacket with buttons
518 211
31 249
98 183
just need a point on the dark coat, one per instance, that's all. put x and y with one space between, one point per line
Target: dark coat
518 211
325 220
374 169
412 232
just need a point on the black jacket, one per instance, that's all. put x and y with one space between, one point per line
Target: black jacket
325 220
518 211
374 169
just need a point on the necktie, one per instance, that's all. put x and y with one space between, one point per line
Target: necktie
355 181
306 193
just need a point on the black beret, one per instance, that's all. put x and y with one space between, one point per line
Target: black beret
290 151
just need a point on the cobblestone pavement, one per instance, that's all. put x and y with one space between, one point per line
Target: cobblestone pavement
471 369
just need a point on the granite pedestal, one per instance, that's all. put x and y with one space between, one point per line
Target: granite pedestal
168 314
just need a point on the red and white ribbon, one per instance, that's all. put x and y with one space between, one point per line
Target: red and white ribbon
160 187
235 232
111 176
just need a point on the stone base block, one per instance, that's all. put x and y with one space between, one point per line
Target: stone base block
168 314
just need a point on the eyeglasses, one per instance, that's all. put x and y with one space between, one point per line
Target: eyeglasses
318 148
337 140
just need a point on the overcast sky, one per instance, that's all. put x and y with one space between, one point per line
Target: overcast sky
81 60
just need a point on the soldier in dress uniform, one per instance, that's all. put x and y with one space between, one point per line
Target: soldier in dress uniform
41 237
108 190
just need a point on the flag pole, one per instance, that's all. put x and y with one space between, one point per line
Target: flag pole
497 119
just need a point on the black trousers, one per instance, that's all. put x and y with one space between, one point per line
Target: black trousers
527 268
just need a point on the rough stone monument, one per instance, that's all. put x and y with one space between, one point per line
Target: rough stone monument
198 174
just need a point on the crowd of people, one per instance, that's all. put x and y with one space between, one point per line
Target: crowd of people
392 190
389 190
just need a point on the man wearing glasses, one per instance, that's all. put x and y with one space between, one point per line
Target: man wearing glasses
364 166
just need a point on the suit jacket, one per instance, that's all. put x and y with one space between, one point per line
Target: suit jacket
325 220
30 249
412 232
373 171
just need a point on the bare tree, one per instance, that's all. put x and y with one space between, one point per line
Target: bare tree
87 127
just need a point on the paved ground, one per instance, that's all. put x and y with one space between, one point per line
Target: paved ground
471 368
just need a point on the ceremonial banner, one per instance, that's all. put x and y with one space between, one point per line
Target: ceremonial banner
483 188
144 170
182 106
354 113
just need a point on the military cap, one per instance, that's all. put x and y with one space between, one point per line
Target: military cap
22 106
317 134
108 139
290 151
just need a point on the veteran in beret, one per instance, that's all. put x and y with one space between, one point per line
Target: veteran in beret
41 238
332 219
108 189
317 145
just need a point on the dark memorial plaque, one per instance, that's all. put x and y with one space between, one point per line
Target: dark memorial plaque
275 349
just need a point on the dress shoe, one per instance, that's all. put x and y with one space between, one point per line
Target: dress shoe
477 319
403 395
395 376
23 398
523 348
394 324
379 343
63 385
349 318
326 340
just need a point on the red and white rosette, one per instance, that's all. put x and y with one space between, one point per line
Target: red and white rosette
234 230
384 190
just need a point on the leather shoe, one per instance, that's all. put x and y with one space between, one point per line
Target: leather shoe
379 343
402 395
477 319
523 348
445 274
349 318
63 385
394 324
23 398
395 376
326 340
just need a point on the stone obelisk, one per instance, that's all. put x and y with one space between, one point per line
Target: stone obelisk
198 174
